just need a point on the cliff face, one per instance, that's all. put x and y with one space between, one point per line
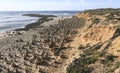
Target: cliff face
86 43
99 42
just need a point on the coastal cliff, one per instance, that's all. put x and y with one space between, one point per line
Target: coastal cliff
88 42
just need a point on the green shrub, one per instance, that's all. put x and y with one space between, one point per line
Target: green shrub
96 21
82 69
89 60
117 65
118 27
108 60
81 46
81 64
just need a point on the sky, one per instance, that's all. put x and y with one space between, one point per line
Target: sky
46 5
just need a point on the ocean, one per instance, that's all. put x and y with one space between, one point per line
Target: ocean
10 20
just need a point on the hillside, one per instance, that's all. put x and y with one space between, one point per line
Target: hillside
85 43
99 42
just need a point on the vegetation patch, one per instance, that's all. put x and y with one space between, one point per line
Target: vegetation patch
108 59
96 21
102 11
81 65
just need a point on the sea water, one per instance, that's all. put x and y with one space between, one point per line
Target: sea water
10 20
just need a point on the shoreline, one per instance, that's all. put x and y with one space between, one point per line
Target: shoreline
41 43
42 21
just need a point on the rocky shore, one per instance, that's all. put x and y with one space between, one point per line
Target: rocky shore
37 48
84 43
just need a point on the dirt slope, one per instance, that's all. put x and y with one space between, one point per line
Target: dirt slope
99 42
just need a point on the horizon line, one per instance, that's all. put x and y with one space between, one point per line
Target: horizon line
61 10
